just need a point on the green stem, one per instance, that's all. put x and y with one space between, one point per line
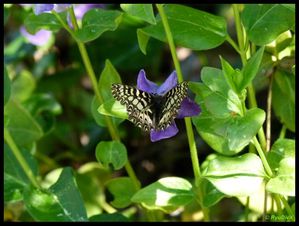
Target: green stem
250 89
262 156
268 122
232 43
247 209
87 63
189 130
287 206
283 131
17 153
278 203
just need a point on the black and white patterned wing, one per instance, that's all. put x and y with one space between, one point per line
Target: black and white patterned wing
173 100
138 104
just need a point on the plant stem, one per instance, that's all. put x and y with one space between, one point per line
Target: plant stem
287 206
189 130
247 209
87 63
283 131
268 123
250 89
262 156
232 43
17 153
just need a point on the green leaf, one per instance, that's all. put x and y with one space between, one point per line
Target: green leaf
284 182
211 195
283 90
243 129
6 86
109 217
228 73
167 194
142 40
23 86
43 107
99 116
264 22
5 14
61 202
113 108
251 69
96 21
141 11
235 176
112 154
22 126
68 194
108 77
122 197
221 123
47 21
191 28
282 148
15 179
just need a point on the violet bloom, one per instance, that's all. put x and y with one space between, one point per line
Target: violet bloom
188 107
42 8
40 38
81 9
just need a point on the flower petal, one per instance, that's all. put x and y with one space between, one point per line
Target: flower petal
169 83
41 8
61 7
188 108
144 84
39 38
81 9
170 131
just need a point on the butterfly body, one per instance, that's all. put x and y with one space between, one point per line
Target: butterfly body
150 111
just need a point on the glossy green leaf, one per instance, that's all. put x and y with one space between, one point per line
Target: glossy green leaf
167 194
6 13
143 39
283 98
96 21
251 69
109 217
112 154
211 195
115 111
61 202
43 205
220 122
6 86
264 22
22 126
242 129
15 179
235 176
122 197
141 11
113 108
47 21
257 201
108 77
282 148
23 86
191 28
284 181
43 107
229 74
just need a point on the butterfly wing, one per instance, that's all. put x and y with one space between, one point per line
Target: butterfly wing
173 100
138 104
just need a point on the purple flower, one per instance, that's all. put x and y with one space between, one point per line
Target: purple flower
40 38
188 107
41 8
81 9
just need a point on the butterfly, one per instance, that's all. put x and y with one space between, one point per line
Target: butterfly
150 111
